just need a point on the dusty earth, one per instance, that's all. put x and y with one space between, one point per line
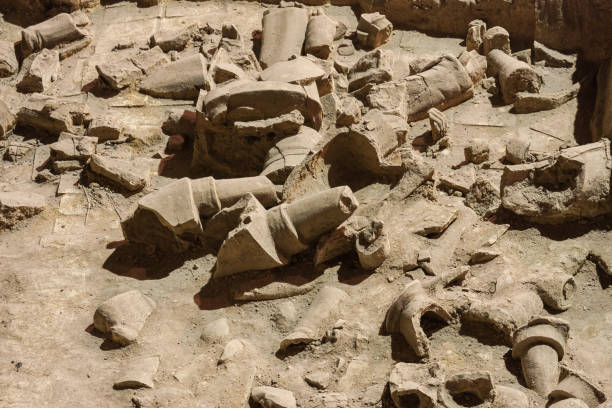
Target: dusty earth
57 267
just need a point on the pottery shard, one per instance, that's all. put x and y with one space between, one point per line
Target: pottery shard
19 205
249 100
506 312
39 71
320 35
373 30
289 153
373 68
283 34
416 382
8 59
324 309
514 76
7 119
180 79
138 373
405 314
150 60
299 71
104 128
127 174
119 74
122 317
478 383
71 147
171 39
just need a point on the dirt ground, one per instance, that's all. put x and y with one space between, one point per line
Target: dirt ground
59 266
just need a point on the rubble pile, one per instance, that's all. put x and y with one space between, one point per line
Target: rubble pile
357 216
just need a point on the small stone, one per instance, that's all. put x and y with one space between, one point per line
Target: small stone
270 397
216 330
345 48
484 255
233 349
318 379
173 39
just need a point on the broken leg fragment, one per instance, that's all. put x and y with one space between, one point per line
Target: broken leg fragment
324 308
268 239
166 217
541 345
122 317
405 314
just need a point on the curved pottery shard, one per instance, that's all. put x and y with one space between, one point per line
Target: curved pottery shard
404 316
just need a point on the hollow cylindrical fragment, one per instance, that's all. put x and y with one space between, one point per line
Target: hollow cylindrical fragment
175 209
324 308
555 288
318 213
50 33
121 317
404 316
268 239
574 384
372 246
320 36
514 76
541 345
283 33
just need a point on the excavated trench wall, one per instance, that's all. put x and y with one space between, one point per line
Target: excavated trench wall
565 25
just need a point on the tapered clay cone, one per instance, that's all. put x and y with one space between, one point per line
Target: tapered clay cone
541 368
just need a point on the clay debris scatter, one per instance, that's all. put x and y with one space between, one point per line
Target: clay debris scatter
318 205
